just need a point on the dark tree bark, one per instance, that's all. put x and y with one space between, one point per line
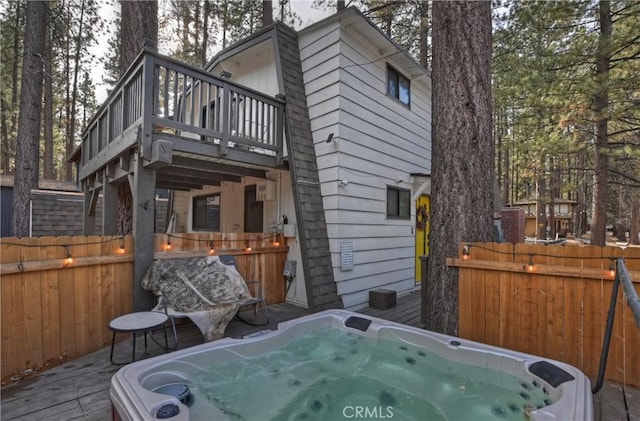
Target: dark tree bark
463 152
48 168
74 95
340 5
26 177
267 13
139 24
205 32
634 230
600 105
8 127
424 34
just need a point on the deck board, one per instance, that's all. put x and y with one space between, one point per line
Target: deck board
79 390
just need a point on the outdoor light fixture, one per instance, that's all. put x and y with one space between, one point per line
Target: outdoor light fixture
531 263
329 138
465 252
247 247
169 245
122 246
612 267
69 258
212 249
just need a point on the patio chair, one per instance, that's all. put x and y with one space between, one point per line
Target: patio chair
197 289
162 307
256 290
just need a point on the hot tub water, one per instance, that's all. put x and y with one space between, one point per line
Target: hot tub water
331 374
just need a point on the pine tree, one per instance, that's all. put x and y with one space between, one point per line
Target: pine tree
463 152
27 155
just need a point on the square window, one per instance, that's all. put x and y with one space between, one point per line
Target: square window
398 86
398 203
206 213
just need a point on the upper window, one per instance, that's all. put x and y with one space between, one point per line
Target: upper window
398 86
398 203
206 213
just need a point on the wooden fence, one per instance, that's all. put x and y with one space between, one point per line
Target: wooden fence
550 301
58 294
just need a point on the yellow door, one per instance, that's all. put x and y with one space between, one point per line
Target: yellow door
423 224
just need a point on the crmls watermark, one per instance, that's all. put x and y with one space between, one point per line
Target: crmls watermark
367 412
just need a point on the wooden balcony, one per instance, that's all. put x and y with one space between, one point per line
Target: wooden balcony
169 109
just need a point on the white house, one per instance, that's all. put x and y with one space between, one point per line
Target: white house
369 105
323 134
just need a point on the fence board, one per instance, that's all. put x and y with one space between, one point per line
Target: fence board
12 314
558 310
81 301
32 298
555 310
492 294
67 314
595 311
522 295
615 366
50 305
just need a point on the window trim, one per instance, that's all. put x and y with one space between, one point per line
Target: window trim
392 71
398 216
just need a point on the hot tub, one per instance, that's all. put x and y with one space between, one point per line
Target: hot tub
341 365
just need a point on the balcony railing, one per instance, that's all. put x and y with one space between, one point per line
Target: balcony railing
168 99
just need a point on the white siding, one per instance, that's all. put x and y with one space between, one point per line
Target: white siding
254 68
378 142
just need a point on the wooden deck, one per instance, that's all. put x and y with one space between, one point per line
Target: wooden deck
79 390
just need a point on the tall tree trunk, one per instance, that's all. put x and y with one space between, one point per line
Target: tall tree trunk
225 23
14 71
634 229
463 150
541 206
67 103
139 24
48 168
26 177
424 34
267 13
10 150
600 106
74 93
4 133
205 32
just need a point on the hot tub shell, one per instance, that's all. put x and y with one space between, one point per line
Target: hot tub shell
132 386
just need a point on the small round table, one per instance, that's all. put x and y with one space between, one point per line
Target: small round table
134 323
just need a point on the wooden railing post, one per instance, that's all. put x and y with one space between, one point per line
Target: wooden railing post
226 106
280 129
147 99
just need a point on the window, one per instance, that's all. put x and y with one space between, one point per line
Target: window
398 86
398 203
206 213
